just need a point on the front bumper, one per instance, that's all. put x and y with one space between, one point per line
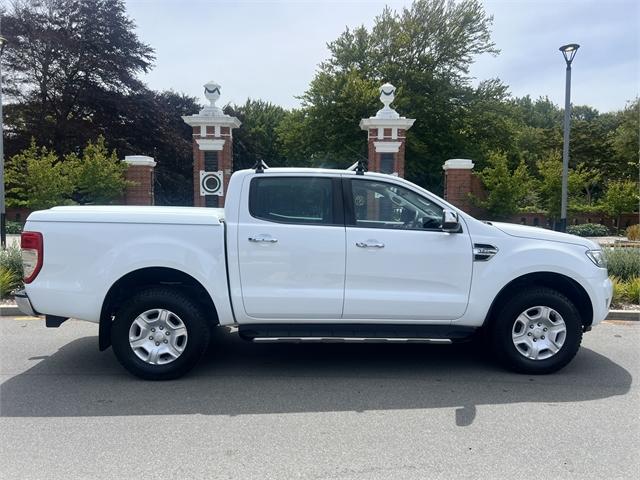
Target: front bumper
601 298
24 304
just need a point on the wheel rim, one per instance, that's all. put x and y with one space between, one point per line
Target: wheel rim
539 333
158 336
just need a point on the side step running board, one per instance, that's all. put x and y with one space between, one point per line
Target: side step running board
354 332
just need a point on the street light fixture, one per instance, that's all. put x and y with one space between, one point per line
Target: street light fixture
569 52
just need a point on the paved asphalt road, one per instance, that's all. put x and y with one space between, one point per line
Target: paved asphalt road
315 411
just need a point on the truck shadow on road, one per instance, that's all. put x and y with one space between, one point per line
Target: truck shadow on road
237 378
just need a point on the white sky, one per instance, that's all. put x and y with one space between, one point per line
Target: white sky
270 49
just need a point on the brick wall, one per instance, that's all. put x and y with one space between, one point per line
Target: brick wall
141 190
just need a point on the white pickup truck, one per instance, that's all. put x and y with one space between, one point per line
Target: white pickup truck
308 255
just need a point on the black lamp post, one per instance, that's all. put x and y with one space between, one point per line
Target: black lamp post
3 214
568 51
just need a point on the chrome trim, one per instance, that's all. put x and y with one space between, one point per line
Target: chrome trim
370 244
349 340
483 252
263 239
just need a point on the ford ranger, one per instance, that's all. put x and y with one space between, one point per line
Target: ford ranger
311 255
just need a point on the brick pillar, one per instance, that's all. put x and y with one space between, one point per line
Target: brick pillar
386 136
212 150
459 183
140 174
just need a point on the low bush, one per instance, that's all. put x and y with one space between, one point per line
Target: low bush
10 270
588 230
625 292
633 291
14 228
9 281
633 232
623 263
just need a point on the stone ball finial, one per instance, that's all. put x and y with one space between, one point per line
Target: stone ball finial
212 92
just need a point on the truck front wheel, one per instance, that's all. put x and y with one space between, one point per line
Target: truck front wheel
537 331
159 334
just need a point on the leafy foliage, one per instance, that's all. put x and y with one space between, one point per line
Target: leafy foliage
633 232
36 179
588 230
623 263
8 282
507 190
257 137
625 291
426 50
10 270
549 185
68 65
621 196
14 228
98 177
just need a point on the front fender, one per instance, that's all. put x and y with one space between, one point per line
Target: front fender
517 258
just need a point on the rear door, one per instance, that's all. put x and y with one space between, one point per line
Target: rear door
400 264
291 247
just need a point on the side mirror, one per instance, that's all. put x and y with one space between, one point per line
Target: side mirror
450 221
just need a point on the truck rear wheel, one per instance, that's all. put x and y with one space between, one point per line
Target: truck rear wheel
537 331
159 334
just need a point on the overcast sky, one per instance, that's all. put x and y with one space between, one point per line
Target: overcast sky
270 49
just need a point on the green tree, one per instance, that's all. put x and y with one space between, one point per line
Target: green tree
257 137
549 186
426 50
68 65
620 197
98 176
625 140
36 179
507 189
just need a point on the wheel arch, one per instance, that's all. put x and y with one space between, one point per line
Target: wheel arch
143 278
556 281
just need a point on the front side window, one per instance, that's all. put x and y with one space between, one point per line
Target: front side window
304 200
385 205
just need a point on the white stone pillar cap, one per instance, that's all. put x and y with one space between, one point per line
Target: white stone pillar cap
142 160
458 164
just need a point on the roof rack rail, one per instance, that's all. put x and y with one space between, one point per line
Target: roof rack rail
359 167
260 165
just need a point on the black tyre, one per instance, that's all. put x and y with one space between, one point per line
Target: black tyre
536 332
160 334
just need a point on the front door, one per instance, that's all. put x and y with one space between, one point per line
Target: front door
291 247
400 264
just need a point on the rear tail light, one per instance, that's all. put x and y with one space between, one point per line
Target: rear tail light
32 255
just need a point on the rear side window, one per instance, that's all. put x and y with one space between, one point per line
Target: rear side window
303 200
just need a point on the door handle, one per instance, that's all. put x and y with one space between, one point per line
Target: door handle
263 239
370 244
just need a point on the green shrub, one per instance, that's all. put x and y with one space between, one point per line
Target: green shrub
633 291
11 261
623 263
8 282
588 230
14 228
633 232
